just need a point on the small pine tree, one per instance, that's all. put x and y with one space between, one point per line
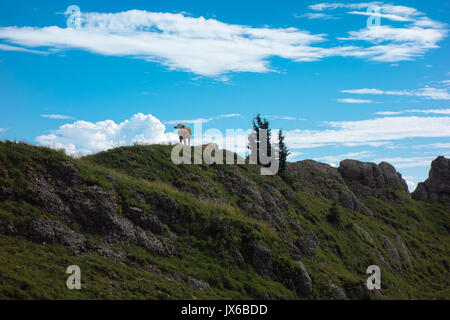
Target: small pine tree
258 124
283 152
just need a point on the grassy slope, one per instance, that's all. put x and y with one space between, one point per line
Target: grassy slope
29 270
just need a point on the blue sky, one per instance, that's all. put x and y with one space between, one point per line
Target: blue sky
337 87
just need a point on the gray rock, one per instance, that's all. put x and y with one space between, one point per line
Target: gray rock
308 243
262 261
106 250
149 242
336 292
293 223
403 250
380 258
393 253
7 227
164 207
363 233
237 256
66 172
437 186
145 220
44 195
199 284
47 230
109 177
368 179
304 283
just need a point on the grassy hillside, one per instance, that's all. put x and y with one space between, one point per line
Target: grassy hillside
153 230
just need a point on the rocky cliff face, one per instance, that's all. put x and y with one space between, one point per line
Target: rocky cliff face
437 186
368 179
219 231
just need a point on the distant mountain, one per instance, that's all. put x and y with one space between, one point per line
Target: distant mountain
139 226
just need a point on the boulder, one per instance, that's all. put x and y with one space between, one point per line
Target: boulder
7 227
308 243
363 233
198 284
336 292
368 179
52 231
437 186
403 250
303 282
262 260
145 220
393 253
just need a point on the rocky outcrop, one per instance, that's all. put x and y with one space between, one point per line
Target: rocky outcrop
368 179
393 253
336 292
363 233
94 210
303 281
7 227
403 250
265 203
145 220
262 261
308 243
437 186
199 284
322 179
49 231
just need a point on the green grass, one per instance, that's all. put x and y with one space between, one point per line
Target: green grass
211 226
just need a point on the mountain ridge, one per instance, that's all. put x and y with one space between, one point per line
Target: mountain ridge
219 231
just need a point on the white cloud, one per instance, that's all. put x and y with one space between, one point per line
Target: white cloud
293 155
320 16
425 111
411 182
413 162
350 155
56 116
392 17
203 46
212 48
373 132
388 113
440 145
413 38
6 47
398 11
349 100
430 111
231 115
83 137
427 92
363 91
282 118
202 120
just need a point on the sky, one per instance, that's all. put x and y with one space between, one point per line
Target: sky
346 80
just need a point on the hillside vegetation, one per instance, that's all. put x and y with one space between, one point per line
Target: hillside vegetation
141 227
